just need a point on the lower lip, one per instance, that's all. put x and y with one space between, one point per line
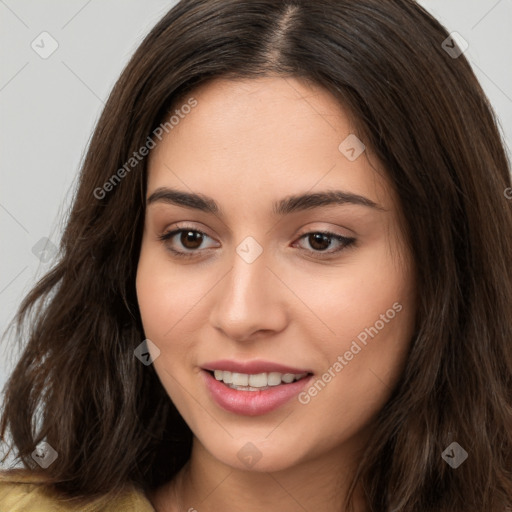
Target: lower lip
252 403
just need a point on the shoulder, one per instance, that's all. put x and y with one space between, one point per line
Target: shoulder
23 491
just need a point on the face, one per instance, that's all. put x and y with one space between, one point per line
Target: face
241 272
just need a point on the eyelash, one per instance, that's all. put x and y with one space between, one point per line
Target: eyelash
346 241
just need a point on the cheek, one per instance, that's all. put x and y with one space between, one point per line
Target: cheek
369 308
156 302
365 291
364 359
164 303
166 299
165 295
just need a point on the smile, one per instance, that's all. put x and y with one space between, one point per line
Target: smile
253 394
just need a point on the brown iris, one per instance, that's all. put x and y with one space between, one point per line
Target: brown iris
193 237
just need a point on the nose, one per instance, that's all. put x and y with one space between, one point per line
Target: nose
250 301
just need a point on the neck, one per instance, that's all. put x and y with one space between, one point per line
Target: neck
205 484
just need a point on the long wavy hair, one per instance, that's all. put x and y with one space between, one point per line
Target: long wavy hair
78 385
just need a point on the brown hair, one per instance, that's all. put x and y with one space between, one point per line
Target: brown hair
426 118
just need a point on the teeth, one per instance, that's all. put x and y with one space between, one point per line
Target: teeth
254 382
258 381
240 379
274 379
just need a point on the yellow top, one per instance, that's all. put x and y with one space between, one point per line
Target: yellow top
26 492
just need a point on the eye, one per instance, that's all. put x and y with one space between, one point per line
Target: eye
320 241
190 239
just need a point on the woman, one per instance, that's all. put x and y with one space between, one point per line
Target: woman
285 282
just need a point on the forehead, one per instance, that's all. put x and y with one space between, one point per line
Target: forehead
262 139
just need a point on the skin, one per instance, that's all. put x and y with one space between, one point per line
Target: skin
246 144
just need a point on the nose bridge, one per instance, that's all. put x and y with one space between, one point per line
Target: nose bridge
249 275
249 299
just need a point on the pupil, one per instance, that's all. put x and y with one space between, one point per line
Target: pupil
196 238
317 239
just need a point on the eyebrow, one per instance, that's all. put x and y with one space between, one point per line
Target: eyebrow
285 206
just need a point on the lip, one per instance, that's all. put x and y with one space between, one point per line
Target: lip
252 403
252 367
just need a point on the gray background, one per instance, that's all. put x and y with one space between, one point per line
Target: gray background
48 107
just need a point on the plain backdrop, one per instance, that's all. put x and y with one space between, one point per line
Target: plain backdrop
49 106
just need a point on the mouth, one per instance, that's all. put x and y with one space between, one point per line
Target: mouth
253 394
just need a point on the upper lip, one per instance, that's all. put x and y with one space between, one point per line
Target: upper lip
252 367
